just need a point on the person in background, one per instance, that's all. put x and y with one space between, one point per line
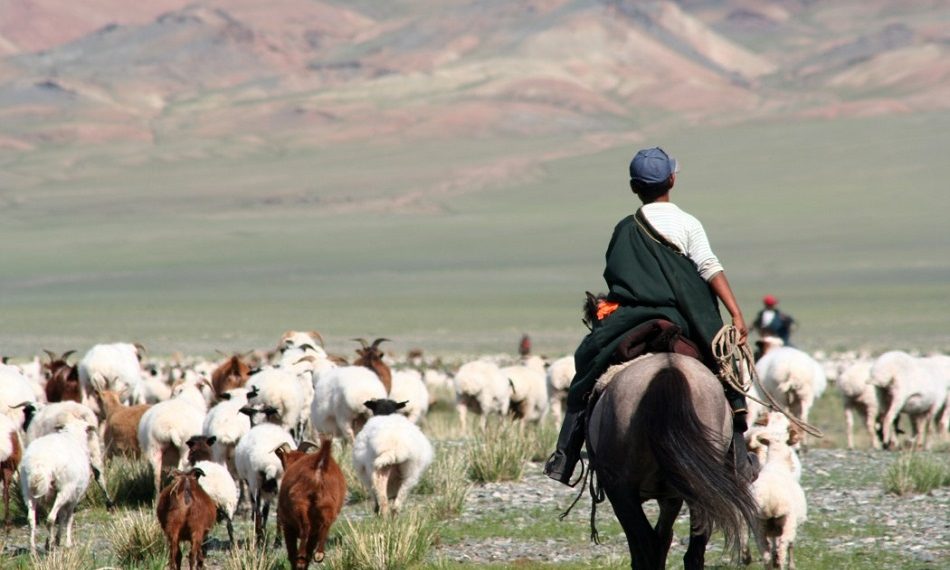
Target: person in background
772 322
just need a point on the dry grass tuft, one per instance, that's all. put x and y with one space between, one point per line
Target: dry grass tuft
137 537
393 542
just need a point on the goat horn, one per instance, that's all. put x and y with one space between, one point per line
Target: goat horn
22 404
362 341
52 355
66 354
284 447
306 446
378 341
317 336
307 358
222 353
139 346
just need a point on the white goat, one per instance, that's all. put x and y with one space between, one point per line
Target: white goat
408 386
390 455
780 499
339 394
166 427
559 376
258 466
909 387
17 398
113 367
482 388
228 425
54 474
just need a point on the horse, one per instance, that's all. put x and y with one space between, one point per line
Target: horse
659 428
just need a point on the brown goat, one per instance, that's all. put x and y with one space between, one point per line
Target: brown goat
62 379
8 467
186 514
121 424
311 496
230 374
371 357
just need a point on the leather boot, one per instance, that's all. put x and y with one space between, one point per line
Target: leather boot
747 466
560 466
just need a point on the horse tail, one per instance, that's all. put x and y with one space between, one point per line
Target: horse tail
689 461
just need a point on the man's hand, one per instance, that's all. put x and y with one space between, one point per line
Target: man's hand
739 323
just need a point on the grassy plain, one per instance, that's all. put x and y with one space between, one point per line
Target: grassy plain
199 245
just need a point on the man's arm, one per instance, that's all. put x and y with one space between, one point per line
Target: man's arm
722 289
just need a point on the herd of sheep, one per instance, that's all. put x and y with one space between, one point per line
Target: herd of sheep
240 429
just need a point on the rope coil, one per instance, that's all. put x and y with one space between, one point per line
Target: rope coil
734 359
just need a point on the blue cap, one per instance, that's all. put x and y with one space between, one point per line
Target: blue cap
652 166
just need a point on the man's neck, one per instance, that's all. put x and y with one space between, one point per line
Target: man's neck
661 198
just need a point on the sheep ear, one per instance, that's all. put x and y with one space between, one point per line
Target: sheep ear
225 396
211 439
198 472
401 405
373 405
193 440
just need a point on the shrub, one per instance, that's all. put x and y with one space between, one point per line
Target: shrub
129 481
498 454
395 542
913 472
446 481
543 439
137 537
247 557
76 558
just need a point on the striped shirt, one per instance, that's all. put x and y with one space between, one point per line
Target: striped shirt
686 233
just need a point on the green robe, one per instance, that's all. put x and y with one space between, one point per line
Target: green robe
651 280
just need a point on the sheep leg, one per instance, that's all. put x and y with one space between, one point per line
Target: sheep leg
849 422
791 557
7 476
258 528
463 416
887 423
230 526
870 417
99 476
921 427
381 489
53 518
31 515
155 460
69 513
265 511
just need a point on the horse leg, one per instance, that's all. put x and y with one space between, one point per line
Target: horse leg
695 557
669 510
641 538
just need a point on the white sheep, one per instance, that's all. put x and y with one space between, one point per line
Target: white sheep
281 389
780 498
559 376
51 417
408 386
438 384
910 387
482 388
259 467
339 394
165 428
54 474
390 455
775 426
858 394
529 390
939 366
228 425
115 367
793 378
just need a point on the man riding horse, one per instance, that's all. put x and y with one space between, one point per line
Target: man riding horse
663 281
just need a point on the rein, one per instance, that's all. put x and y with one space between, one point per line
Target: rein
734 358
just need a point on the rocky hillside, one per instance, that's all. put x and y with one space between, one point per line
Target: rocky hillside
321 72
